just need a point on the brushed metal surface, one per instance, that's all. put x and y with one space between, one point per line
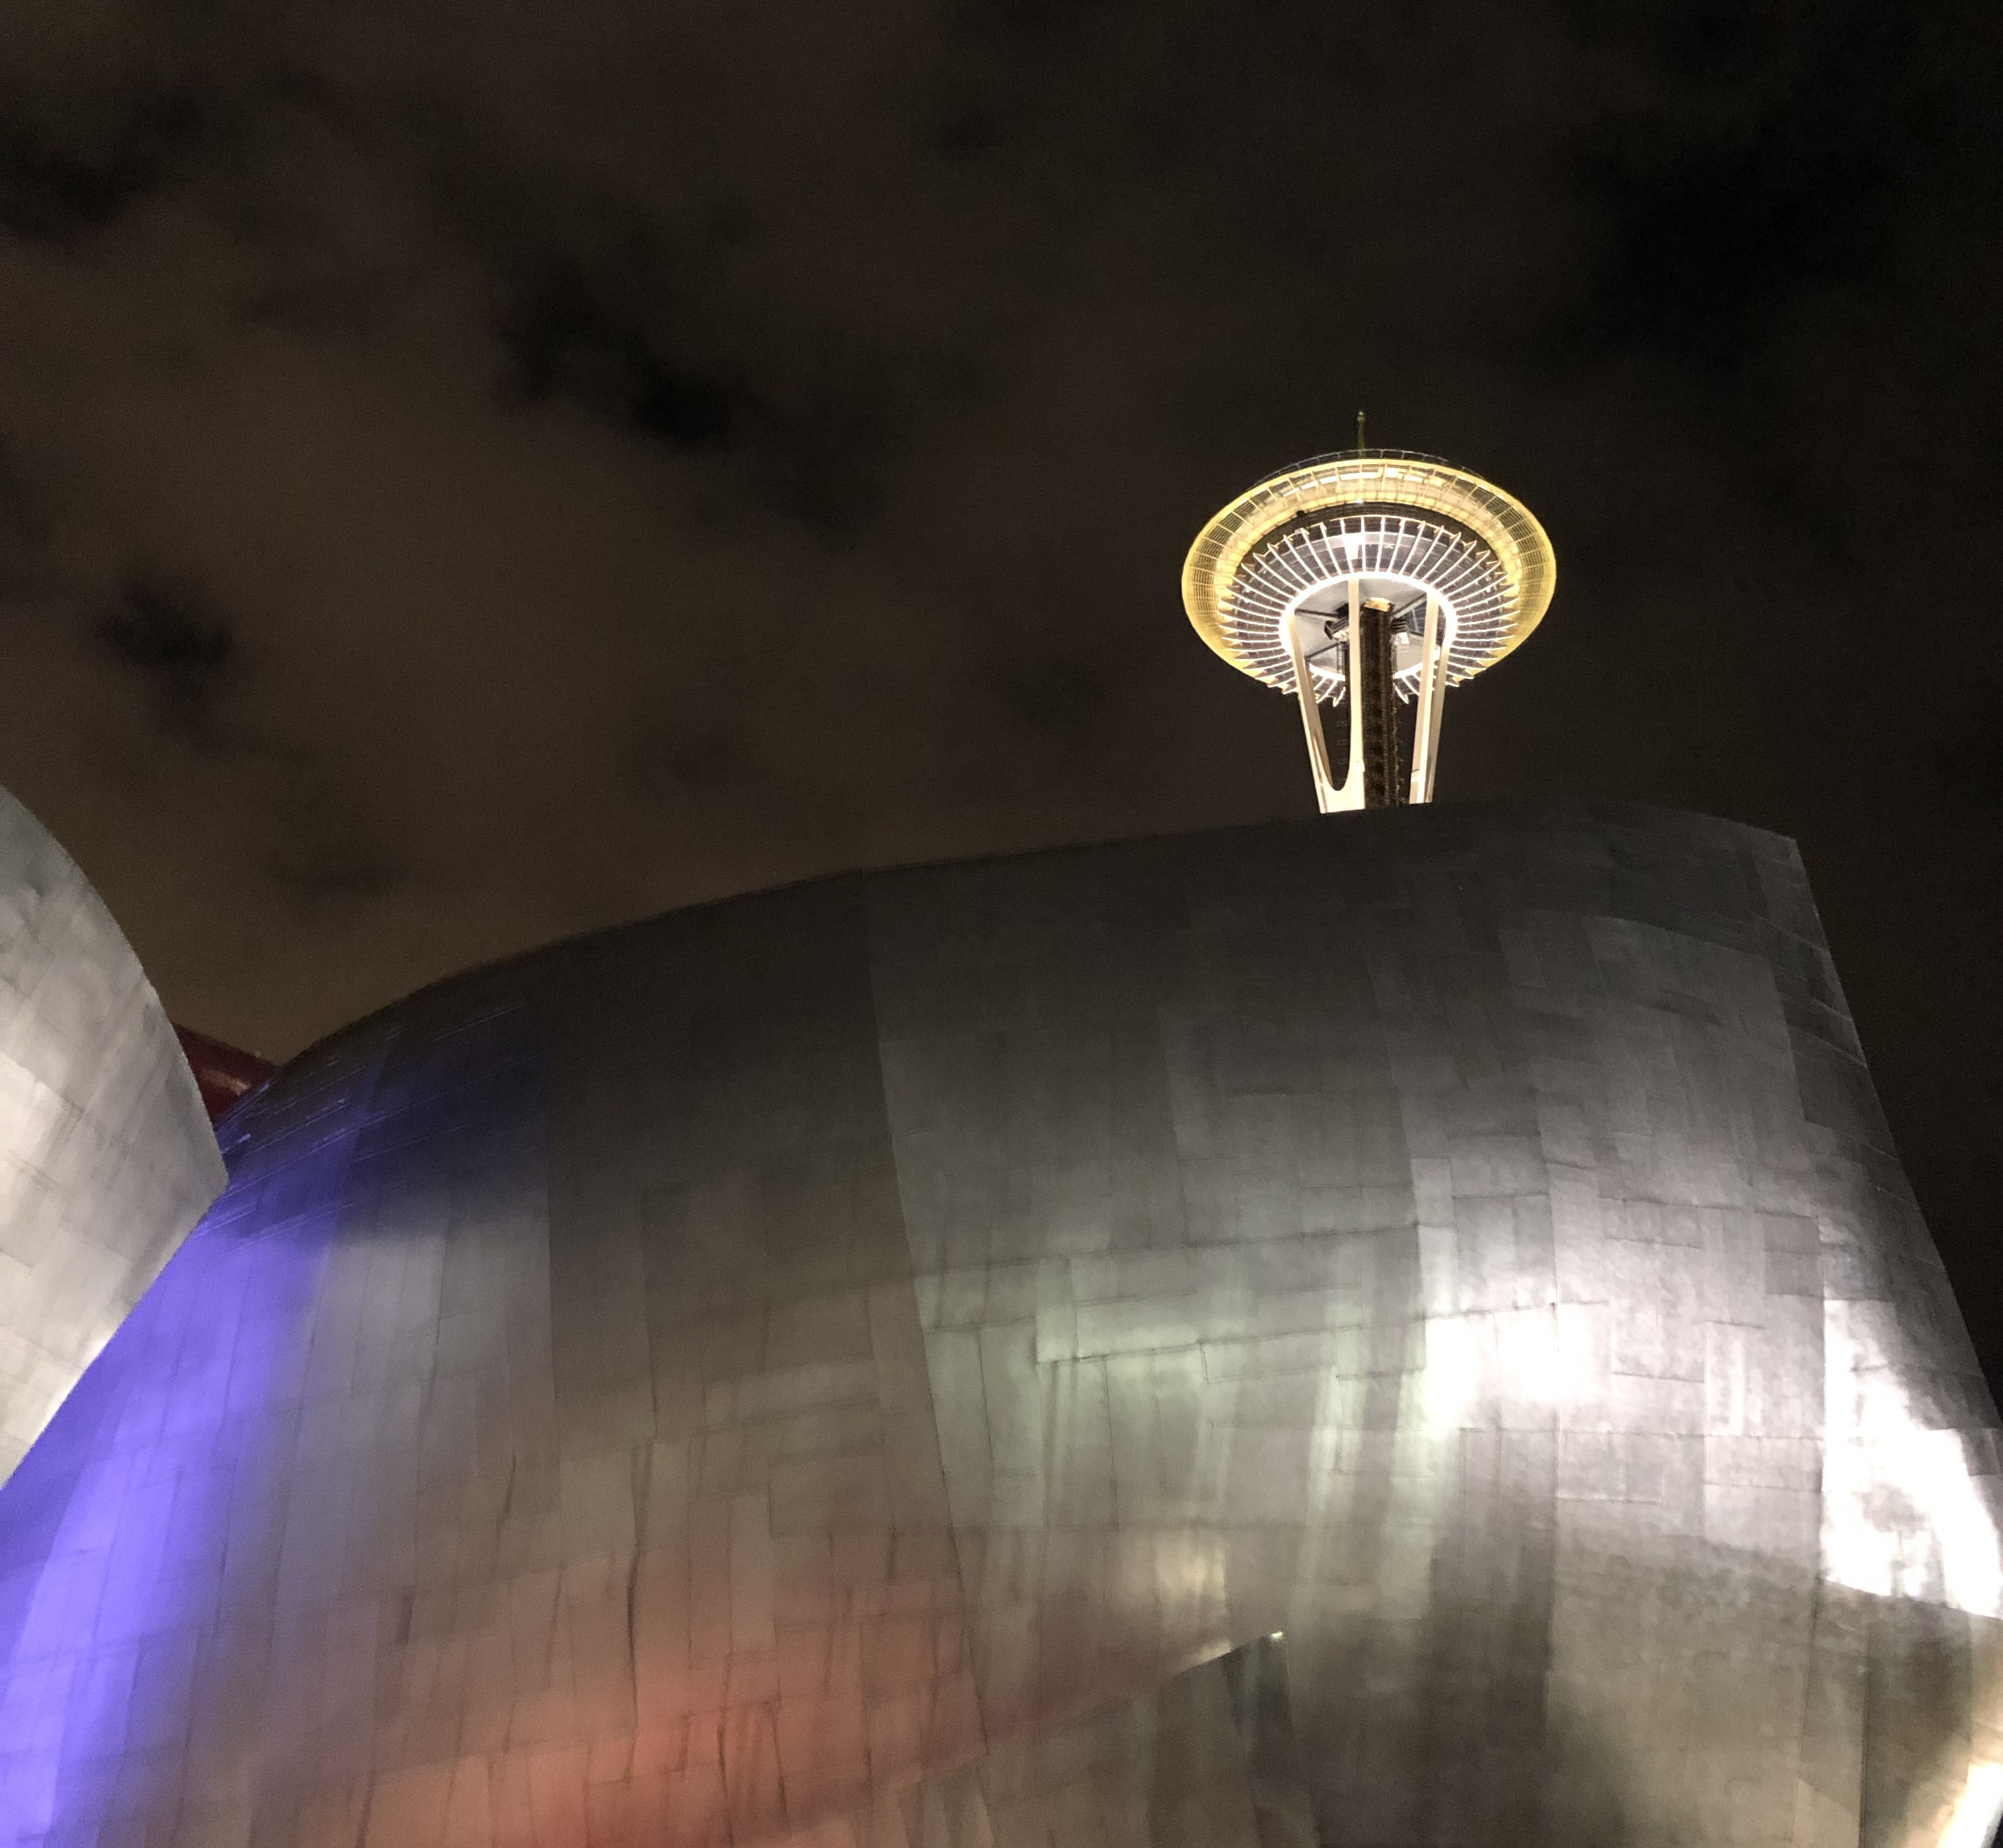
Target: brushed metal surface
1206 1759
699 1381
106 1156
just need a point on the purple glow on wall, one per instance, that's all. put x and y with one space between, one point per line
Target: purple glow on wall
149 1497
145 1478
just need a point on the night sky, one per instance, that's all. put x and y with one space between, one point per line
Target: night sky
473 473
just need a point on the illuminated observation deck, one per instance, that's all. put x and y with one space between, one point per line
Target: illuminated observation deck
1419 573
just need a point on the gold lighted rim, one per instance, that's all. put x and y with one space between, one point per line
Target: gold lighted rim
1368 478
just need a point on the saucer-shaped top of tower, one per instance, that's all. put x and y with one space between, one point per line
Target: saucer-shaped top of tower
1405 524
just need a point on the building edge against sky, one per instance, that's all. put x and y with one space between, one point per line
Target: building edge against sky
685 1383
107 1158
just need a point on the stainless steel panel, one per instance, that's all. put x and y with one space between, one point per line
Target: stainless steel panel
699 1382
107 1159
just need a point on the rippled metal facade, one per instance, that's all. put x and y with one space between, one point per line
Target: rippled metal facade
1208 1758
106 1156
708 1380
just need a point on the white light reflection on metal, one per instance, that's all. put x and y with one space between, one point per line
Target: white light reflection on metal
1902 1513
1532 1358
1976 1814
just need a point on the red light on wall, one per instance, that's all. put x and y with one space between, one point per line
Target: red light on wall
224 1072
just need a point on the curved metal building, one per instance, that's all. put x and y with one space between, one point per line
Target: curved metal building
107 1159
700 1382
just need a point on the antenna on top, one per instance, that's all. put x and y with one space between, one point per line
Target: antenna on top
1359 429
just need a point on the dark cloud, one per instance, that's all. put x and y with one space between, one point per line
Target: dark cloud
180 647
1767 161
73 165
324 858
564 338
602 309
586 459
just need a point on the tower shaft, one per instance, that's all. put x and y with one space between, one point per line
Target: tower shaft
1373 664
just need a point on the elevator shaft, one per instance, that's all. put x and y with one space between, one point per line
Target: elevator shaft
1373 663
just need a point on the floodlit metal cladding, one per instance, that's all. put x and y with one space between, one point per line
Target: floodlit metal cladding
1375 513
767 1372
106 1155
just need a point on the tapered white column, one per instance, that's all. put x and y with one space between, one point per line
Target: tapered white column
1430 697
1350 795
1324 782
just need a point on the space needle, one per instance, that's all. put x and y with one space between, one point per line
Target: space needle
1377 578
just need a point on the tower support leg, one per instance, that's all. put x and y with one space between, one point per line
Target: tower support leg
1431 697
1325 793
1350 795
